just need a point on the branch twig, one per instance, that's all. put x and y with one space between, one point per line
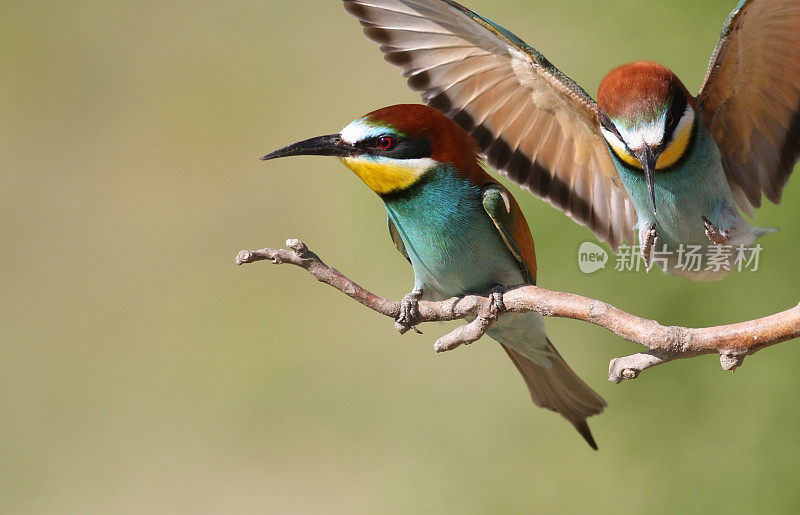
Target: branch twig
665 343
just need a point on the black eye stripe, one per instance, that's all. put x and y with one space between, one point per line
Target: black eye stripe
379 142
676 110
368 142
402 147
608 125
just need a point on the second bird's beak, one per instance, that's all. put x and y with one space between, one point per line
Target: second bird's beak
648 157
330 145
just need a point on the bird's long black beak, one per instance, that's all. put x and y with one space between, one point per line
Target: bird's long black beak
330 145
648 157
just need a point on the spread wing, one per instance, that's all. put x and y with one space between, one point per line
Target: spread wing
531 121
507 217
750 99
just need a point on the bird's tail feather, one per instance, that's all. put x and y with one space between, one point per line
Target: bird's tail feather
560 389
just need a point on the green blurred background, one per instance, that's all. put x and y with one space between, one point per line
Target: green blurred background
141 371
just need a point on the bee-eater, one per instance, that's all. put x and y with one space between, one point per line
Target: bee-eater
462 232
648 155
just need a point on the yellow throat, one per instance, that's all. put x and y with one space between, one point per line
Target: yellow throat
384 176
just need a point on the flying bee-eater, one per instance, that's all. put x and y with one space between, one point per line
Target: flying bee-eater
646 156
462 232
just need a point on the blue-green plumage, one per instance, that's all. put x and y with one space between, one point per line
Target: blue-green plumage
455 249
459 239
693 188
449 238
462 233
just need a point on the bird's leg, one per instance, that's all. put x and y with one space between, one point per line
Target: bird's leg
717 236
409 312
650 239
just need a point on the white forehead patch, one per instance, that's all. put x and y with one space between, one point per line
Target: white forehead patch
651 134
360 130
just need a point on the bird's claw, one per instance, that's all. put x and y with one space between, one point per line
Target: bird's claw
714 234
496 305
409 312
649 242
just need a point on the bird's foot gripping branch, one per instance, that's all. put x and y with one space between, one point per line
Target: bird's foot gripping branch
731 342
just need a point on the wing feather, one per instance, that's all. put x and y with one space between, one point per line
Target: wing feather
507 218
750 99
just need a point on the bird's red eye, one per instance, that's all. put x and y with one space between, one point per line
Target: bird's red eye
385 142
670 120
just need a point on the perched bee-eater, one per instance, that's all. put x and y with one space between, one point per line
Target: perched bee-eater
648 155
461 231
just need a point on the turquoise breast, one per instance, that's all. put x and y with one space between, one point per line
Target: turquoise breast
684 193
452 243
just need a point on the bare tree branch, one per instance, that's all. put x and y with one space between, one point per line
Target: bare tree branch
665 343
